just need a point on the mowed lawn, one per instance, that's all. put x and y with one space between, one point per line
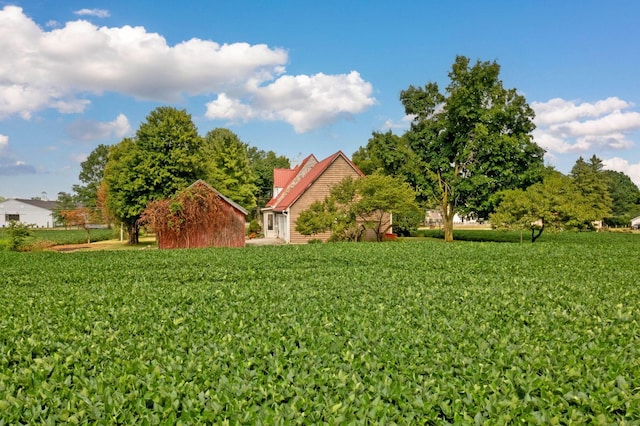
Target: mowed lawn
413 332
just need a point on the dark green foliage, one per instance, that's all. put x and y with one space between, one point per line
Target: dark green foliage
591 182
472 141
166 156
625 198
91 175
229 169
355 205
406 333
262 164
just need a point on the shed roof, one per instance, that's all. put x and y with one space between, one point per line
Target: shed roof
228 200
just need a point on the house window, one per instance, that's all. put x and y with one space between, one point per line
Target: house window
9 217
269 222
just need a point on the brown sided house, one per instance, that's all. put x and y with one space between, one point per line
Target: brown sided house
206 218
295 189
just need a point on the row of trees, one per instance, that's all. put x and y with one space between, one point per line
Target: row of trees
165 156
583 199
470 151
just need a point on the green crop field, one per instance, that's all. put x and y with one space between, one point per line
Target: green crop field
413 332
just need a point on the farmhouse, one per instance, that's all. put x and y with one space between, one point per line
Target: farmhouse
205 218
635 223
295 189
30 212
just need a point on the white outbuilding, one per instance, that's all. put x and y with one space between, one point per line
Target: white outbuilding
635 223
29 212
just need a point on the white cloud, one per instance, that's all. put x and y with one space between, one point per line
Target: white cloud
63 68
89 130
567 126
404 124
305 102
621 165
4 142
99 13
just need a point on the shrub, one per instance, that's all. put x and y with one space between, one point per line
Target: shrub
18 233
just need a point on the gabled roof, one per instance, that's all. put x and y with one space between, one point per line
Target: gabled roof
282 177
307 180
47 205
228 200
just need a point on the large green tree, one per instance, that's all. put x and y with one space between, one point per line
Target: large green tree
355 205
473 140
556 203
165 156
590 180
625 198
91 175
229 170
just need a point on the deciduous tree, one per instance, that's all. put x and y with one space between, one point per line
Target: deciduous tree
625 198
473 140
262 164
229 170
91 175
554 204
590 180
165 156
358 204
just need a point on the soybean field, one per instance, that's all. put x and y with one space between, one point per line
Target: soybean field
408 332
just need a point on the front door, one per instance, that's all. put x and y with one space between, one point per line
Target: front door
269 226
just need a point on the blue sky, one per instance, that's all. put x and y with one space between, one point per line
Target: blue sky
301 77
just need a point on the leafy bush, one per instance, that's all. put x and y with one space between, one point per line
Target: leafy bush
18 233
254 227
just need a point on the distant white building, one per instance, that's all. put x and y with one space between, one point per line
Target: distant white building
635 223
29 212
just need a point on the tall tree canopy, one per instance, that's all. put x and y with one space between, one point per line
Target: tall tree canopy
229 170
165 156
590 180
625 198
91 175
472 141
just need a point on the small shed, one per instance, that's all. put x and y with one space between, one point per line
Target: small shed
197 217
635 223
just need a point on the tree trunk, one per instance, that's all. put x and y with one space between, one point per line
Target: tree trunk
133 234
535 237
447 215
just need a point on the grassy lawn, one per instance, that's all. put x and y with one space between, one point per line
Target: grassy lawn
406 332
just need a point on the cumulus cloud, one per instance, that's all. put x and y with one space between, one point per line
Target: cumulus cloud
621 165
305 102
98 13
89 130
62 68
569 126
